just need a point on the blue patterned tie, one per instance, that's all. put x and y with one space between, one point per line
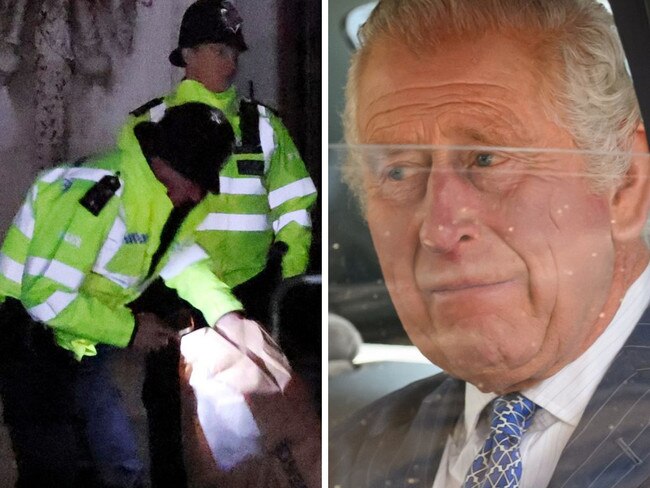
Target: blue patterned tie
498 464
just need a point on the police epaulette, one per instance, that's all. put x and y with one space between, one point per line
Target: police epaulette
143 109
100 193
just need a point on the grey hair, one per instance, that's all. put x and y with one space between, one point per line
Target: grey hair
588 88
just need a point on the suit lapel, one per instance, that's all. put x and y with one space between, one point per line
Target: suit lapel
413 454
611 444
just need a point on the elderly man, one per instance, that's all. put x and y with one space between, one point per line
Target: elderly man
523 274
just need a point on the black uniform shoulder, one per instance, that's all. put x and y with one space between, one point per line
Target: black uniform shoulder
143 109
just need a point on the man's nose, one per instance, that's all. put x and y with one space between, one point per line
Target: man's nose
449 213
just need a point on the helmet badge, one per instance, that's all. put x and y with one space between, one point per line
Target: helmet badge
216 117
230 17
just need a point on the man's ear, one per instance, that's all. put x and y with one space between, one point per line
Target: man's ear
187 53
631 199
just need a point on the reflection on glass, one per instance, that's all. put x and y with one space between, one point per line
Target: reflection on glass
355 19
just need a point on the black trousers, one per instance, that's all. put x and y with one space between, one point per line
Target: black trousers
161 398
45 430
66 421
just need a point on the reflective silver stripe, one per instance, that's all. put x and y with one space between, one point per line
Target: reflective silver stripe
241 186
125 281
158 112
56 271
112 244
11 269
75 174
235 222
53 175
181 259
24 220
300 216
266 137
91 174
114 241
296 189
52 307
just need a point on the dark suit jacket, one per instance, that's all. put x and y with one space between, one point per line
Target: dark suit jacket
398 441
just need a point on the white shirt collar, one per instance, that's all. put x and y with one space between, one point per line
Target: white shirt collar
566 394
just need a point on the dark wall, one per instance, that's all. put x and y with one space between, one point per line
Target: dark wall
299 92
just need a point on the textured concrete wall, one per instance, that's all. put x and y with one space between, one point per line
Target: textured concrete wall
260 62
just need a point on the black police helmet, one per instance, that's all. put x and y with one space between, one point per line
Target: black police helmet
207 21
194 139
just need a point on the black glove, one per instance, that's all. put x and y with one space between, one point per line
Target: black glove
164 302
256 293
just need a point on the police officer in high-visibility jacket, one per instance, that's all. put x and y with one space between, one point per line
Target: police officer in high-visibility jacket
266 197
266 192
87 241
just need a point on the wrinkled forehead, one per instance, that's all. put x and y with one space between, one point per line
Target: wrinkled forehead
481 86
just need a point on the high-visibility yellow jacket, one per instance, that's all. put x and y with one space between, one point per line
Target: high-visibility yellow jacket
265 195
76 271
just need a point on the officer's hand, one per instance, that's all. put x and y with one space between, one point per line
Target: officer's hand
152 333
246 341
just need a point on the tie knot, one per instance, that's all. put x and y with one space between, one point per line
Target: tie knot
512 414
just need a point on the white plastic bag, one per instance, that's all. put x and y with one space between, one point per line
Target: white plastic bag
255 418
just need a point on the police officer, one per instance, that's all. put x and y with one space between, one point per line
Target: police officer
86 242
266 192
265 198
